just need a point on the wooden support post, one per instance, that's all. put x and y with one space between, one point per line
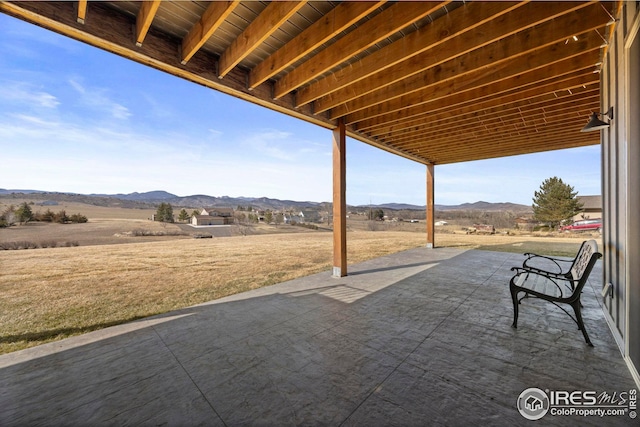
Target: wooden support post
339 201
430 203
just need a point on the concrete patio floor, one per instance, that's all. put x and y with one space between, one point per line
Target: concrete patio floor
422 337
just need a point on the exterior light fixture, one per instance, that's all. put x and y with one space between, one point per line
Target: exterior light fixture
596 124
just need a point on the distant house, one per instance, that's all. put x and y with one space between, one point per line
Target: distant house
302 216
213 216
221 212
309 216
591 208
291 218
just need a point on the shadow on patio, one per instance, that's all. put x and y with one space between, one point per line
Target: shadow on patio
421 337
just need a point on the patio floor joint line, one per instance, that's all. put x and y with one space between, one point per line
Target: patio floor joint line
204 396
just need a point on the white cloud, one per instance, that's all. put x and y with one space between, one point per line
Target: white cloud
158 109
215 134
31 120
25 94
120 112
98 99
281 145
269 143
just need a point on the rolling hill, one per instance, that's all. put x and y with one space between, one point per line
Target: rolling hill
153 198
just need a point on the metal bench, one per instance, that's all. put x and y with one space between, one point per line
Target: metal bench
554 283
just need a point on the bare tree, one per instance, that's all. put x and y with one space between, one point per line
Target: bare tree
278 219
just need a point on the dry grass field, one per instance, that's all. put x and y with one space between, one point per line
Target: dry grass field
48 294
52 293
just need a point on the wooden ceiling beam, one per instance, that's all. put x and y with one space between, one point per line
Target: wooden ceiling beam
460 20
213 16
548 134
519 148
497 136
333 23
534 119
479 98
498 129
515 145
148 10
502 127
445 121
499 39
469 108
527 45
547 91
555 60
271 18
436 149
81 11
381 26
466 156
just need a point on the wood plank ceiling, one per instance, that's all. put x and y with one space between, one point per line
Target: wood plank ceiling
436 82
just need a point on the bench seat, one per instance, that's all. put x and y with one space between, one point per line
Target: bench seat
541 284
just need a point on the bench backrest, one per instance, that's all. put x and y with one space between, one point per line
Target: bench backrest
584 261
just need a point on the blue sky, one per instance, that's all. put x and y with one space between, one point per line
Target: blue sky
77 119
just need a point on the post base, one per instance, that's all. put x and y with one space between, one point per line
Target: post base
337 272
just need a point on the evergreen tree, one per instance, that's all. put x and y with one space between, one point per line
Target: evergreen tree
164 212
24 213
555 202
183 216
268 217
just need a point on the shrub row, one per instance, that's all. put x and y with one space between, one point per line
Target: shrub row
139 232
10 246
23 214
59 217
305 225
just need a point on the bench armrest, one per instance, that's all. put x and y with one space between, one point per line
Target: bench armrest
539 272
543 273
555 261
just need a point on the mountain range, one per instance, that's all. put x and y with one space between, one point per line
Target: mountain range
153 198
